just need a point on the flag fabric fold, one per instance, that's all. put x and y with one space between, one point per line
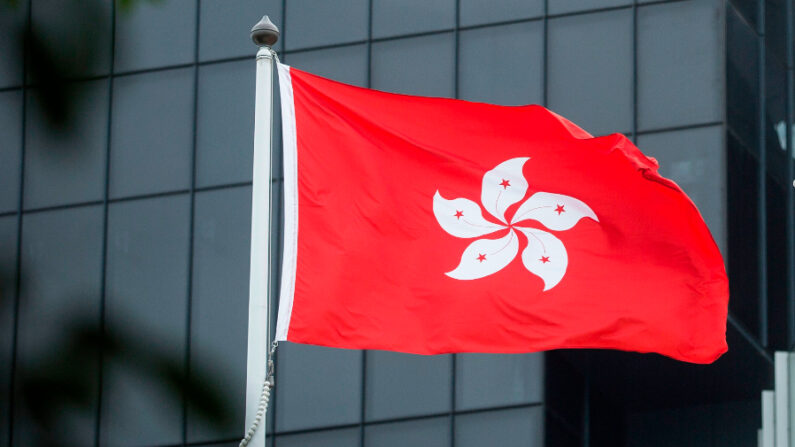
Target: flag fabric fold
431 225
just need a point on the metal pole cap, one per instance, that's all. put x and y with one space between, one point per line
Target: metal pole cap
265 33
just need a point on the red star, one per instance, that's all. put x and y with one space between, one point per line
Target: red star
459 214
560 209
544 259
481 257
505 184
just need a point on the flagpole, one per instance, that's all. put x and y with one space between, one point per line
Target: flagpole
258 383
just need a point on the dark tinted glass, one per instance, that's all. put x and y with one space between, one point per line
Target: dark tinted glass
12 22
590 70
65 166
11 149
742 188
60 296
477 12
146 303
155 34
679 71
492 380
225 126
8 253
313 23
776 184
742 79
318 387
506 428
398 17
749 10
151 132
219 304
415 66
423 432
400 385
776 28
490 71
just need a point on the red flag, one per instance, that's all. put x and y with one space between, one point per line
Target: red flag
429 225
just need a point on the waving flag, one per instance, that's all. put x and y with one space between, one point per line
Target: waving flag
429 225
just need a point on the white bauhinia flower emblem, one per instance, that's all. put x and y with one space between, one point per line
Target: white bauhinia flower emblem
504 186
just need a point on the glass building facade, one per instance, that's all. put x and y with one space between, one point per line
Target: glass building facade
131 218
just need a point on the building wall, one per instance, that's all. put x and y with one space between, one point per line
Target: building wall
134 220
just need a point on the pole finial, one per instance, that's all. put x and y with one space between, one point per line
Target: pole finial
265 33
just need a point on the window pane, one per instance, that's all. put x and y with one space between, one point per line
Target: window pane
749 9
564 390
743 224
502 64
317 387
225 128
8 259
558 434
152 130
776 28
146 304
399 17
225 27
60 295
590 70
415 66
65 166
777 183
155 34
400 385
79 32
695 160
219 306
424 432
345 64
348 437
506 428
742 80
477 12
490 380
680 75
12 21
11 149
566 6
313 23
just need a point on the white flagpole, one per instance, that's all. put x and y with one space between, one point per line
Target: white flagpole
264 34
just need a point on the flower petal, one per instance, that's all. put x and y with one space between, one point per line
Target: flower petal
486 256
461 217
503 186
556 211
544 256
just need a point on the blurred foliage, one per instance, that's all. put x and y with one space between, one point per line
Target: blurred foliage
59 47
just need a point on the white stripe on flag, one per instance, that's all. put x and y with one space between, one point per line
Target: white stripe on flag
290 202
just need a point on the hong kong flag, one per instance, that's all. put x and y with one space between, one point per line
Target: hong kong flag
429 225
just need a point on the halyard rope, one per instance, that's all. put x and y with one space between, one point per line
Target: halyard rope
264 398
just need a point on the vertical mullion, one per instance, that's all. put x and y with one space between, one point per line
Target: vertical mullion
761 181
369 80
634 136
456 88
20 205
191 218
545 56
105 209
